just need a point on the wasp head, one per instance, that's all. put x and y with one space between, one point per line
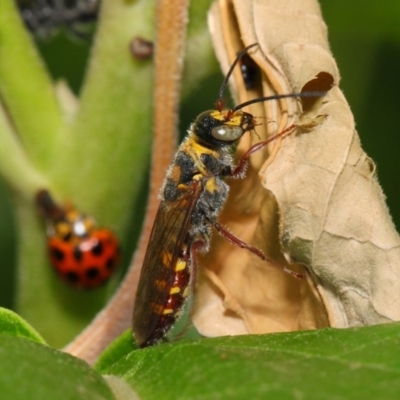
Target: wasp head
220 128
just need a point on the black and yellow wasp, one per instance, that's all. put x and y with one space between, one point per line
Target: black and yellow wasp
192 197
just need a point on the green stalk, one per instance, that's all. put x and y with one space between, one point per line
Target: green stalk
26 89
15 166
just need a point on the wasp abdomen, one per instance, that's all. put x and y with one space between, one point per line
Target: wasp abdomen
178 290
169 310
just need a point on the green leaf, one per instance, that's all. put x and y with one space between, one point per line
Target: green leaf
120 389
13 325
354 19
33 371
15 165
325 364
117 349
200 60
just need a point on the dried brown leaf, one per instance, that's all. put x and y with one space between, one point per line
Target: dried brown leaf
335 219
320 204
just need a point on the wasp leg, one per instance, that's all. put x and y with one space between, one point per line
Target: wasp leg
196 247
243 245
241 166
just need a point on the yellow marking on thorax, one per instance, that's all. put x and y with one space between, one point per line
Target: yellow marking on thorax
234 120
198 177
198 149
175 172
195 150
167 311
211 185
183 186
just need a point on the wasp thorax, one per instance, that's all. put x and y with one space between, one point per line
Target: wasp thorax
222 127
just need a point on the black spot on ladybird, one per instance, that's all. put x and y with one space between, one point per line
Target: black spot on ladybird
92 273
57 254
110 263
98 248
72 277
77 254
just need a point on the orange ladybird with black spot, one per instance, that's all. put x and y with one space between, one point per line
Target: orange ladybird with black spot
83 255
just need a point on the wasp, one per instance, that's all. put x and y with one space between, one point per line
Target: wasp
192 197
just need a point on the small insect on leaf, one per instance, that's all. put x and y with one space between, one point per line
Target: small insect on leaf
193 195
141 49
82 254
250 71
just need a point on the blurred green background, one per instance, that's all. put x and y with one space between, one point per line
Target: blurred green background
365 40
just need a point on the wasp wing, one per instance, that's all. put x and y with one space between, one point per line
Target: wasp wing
169 241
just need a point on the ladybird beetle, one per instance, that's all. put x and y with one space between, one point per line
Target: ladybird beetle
83 255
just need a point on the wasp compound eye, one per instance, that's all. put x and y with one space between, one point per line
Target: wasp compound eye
227 133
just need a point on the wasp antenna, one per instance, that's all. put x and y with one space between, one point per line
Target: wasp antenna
279 96
219 105
255 132
228 75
